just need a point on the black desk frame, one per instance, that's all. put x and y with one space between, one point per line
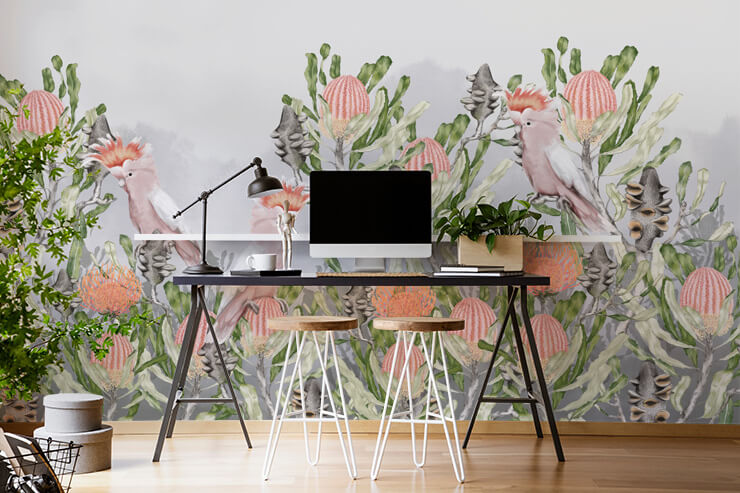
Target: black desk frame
516 288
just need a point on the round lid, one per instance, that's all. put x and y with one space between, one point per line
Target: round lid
73 401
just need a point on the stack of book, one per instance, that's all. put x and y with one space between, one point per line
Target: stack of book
476 270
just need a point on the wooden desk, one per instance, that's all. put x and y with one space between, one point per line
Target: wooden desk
516 286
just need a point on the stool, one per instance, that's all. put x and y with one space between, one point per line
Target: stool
419 326
300 328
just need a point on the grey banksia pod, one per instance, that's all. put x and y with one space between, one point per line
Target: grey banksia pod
600 271
652 390
291 140
485 94
649 207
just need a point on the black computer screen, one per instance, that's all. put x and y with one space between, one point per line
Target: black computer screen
371 207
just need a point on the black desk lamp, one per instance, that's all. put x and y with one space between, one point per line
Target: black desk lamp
261 186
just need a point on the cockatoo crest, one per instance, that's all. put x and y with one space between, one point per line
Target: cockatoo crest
521 100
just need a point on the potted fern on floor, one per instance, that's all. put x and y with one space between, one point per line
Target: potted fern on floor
493 235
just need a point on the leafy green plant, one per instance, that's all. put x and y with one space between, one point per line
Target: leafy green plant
39 231
491 221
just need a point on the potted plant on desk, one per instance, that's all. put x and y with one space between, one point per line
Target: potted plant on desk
493 235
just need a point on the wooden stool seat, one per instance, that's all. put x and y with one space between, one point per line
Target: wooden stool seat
419 324
312 323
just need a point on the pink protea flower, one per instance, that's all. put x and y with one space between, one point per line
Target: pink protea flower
347 97
704 290
403 301
478 318
44 110
200 338
268 308
416 359
590 94
433 153
550 337
110 289
294 197
112 152
559 261
115 361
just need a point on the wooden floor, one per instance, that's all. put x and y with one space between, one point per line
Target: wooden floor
222 463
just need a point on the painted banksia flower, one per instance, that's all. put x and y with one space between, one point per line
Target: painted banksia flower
292 141
600 271
110 289
433 153
652 391
485 94
559 261
44 110
649 207
705 290
347 97
590 94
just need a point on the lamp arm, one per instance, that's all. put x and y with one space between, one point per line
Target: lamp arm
207 193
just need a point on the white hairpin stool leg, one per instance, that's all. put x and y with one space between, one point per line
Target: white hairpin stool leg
353 471
351 468
315 459
457 465
275 432
451 405
385 405
380 445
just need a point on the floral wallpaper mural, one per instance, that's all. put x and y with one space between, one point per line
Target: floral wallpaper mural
644 329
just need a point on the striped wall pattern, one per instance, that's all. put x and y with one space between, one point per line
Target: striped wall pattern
44 110
116 357
268 308
548 334
590 94
433 153
416 359
478 316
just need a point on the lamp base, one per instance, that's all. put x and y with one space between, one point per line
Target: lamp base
203 269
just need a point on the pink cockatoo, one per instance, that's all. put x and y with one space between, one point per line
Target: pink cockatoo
150 207
236 309
550 168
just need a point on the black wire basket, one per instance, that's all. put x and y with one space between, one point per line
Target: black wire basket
48 469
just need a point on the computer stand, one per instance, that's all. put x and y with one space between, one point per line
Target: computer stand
369 265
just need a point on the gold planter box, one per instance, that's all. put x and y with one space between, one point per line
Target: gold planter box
508 252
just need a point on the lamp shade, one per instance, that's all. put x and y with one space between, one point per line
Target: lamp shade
263 184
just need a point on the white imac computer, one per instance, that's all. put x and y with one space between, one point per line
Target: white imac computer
371 216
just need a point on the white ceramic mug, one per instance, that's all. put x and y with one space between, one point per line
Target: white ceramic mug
262 261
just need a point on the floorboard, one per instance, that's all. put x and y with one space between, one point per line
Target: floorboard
222 463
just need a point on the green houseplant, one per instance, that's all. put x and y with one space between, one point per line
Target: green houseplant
493 235
44 218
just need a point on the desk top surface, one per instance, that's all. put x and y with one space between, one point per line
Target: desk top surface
360 280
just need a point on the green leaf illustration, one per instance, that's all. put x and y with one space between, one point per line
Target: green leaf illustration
626 59
548 71
312 76
575 61
717 391
335 69
684 171
514 82
48 80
